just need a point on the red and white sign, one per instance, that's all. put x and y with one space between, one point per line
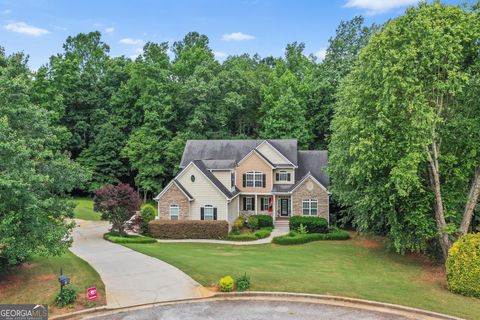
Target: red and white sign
91 293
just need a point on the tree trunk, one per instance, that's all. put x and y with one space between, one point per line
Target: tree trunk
471 203
434 175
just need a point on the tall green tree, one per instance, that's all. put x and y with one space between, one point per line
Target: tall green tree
350 37
401 114
34 173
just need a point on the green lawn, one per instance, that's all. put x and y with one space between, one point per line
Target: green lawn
345 268
84 209
36 281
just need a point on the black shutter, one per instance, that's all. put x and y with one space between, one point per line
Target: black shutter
202 214
277 176
253 203
244 203
262 203
289 175
264 178
214 213
244 180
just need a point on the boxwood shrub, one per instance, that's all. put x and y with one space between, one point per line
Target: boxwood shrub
114 237
297 238
463 266
259 234
188 229
313 224
264 221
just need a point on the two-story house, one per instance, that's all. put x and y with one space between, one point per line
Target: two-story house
220 179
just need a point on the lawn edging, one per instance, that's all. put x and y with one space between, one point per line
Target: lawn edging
386 308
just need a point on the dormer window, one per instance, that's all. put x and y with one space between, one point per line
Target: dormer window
254 179
283 175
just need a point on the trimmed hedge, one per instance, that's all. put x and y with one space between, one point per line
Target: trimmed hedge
313 224
188 229
297 238
113 237
264 221
259 234
463 266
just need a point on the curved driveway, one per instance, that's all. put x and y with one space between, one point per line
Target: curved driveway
249 310
130 278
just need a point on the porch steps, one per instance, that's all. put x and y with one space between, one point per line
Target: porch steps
282 223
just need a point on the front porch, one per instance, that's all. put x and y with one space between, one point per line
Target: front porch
278 206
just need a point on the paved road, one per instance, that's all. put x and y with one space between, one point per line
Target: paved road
130 278
249 310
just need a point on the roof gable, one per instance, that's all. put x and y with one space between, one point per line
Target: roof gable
273 154
233 150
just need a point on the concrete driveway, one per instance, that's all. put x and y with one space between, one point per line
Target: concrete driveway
130 278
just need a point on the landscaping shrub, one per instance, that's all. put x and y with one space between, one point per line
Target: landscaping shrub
242 237
226 284
463 266
114 237
243 282
264 221
188 229
239 223
66 297
313 224
148 214
259 234
296 238
263 233
252 223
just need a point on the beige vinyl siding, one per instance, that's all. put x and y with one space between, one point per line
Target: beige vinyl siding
289 170
204 193
224 176
233 210
271 154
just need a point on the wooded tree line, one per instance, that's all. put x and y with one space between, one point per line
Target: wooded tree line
127 120
404 142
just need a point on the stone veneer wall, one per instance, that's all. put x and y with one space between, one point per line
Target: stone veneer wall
174 196
309 189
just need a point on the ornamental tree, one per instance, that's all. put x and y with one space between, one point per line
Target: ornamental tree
117 203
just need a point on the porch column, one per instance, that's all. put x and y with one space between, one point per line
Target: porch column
256 204
274 207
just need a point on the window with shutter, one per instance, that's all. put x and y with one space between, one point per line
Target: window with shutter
208 212
202 213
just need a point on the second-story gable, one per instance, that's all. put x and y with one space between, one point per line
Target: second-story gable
254 174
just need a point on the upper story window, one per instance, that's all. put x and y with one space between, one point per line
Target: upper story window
283 175
254 179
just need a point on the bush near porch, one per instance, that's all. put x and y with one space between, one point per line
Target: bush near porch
249 228
312 224
188 229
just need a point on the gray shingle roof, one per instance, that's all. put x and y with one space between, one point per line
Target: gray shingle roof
233 149
314 162
220 164
201 166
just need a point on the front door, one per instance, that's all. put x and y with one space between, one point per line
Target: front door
284 207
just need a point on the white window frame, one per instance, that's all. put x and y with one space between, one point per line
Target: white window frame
254 179
310 207
266 202
174 206
249 206
283 176
206 209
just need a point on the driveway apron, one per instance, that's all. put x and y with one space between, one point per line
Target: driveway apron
130 278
